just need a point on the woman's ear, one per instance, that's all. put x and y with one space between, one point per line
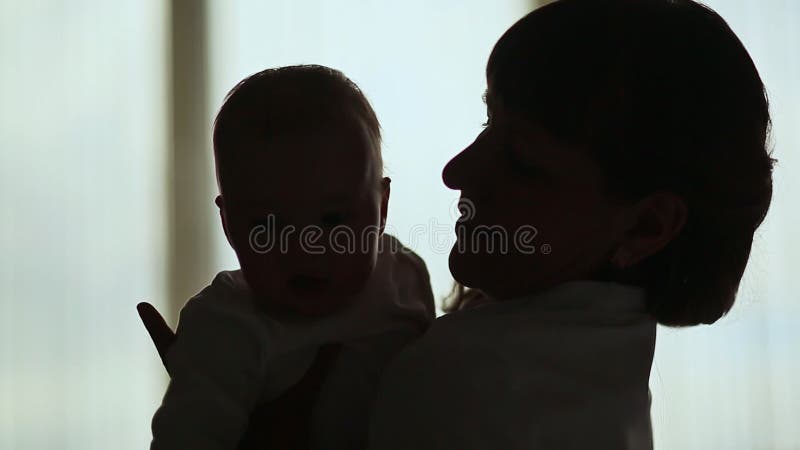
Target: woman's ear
386 189
220 202
654 222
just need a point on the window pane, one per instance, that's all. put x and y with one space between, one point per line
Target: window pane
82 172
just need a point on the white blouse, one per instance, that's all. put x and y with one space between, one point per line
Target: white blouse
567 368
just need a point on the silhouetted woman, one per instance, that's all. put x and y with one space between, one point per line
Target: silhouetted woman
617 184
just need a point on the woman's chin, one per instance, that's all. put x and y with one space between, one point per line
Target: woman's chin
465 267
499 275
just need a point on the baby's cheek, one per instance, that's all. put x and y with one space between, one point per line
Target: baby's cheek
261 273
352 271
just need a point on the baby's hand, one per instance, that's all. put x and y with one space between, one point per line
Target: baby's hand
281 424
160 333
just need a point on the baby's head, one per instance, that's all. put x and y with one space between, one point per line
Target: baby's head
302 197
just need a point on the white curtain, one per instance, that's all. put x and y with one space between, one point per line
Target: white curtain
86 182
735 384
83 227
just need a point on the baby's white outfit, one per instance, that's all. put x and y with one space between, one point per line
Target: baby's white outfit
229 356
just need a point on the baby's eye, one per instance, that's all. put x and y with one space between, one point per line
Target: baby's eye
333 218
270 221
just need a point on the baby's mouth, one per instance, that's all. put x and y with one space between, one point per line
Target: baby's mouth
306 285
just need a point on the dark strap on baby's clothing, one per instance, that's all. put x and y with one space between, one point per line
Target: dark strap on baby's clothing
283 423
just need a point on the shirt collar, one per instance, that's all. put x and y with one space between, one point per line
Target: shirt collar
587 296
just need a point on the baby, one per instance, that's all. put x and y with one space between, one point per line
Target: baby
303 203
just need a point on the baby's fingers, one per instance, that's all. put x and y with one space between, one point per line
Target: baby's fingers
161 334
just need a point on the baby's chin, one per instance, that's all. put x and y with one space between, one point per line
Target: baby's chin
320 309
312 295
310 304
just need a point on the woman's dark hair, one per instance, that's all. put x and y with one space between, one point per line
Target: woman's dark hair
664 97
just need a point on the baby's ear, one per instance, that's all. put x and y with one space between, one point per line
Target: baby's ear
386 189
220 202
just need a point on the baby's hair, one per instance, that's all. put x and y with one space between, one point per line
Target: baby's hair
284 100
664 97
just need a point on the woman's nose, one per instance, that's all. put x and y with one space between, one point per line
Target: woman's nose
458 171
448 173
